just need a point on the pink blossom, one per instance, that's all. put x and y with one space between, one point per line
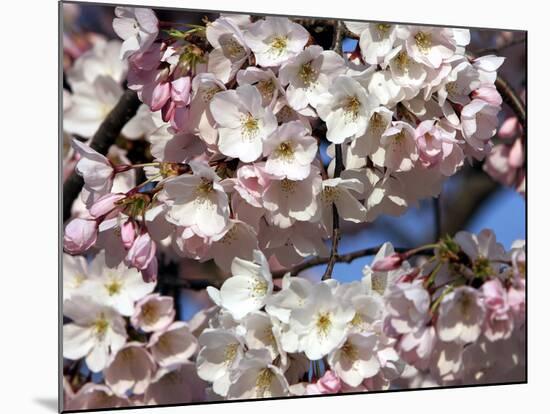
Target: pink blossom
329 383
131 369
479 123
95 396
417 346
96 170
516 156
142 252
180 92
156 94
461 315
497 165
509 128
499 322
128 233
407 306
137 26
437 146
106 204
489 94
388 263
80 235
153 313
251 182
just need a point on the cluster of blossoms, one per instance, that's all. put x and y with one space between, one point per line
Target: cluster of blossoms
458 318
235 115
272 340
506 163
117 328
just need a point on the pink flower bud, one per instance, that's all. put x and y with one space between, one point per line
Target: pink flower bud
329 383
515 157
149 274
179 117
128 233
142 252
105 204
80 235
156 95
488 94
390 262
168 111
181 90
509 128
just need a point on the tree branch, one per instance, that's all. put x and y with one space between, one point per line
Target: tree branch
200 284
338 258
339 166
102 140
512 99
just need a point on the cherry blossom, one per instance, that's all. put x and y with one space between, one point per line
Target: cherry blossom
258 148
275 39
96 333
290 151
461 316
346 108
197 201
137 26
131 369
230 50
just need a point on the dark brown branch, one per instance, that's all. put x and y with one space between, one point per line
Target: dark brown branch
102 140
200 284
339 258
512 99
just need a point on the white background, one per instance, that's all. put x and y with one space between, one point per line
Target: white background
28 203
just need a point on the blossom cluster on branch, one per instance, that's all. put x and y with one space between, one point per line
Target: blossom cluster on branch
235 112
456 317
259 142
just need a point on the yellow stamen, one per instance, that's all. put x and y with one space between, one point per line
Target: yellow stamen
307 73
263 382
351 107
423 41
285 150
323 324
278 44
249 126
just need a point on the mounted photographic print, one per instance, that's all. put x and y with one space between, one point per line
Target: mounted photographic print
261 207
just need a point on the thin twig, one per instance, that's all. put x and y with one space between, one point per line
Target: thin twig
339 166
102 140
